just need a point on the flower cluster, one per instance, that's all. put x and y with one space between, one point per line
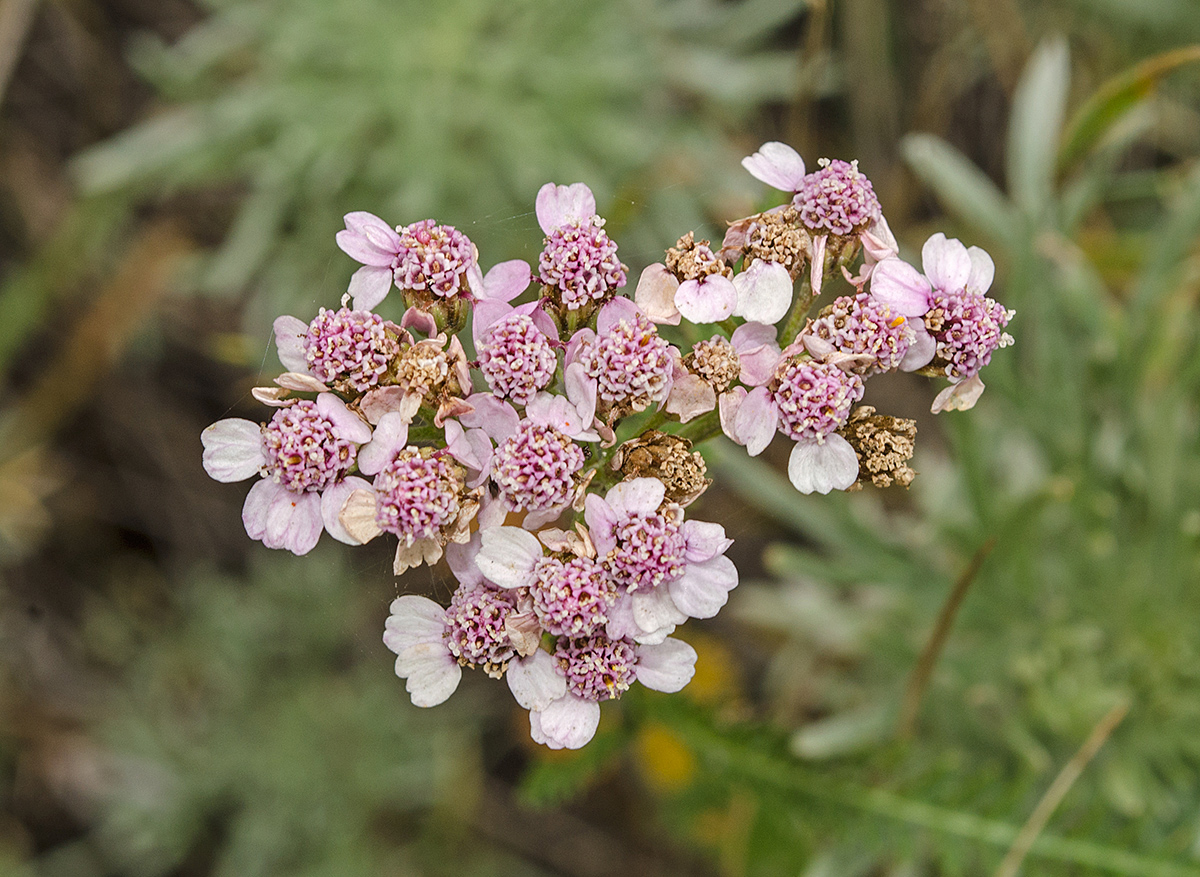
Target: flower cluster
553 470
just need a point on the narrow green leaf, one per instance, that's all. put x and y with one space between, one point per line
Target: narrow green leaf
963 189
1115 99
1036 125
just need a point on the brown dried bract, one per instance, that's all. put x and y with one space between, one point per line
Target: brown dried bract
884 445
689 260
670 459
778 236
715 361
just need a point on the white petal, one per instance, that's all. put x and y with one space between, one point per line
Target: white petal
959 397
535 682
637 496
289 341
568 723
233 449
776 164
946 262
756 421
563 205
706 301
901 287
816 268
704 587
668 666
294 522
357 515
506 280
922 349
508 556
432 672
349 425
655 613
983 270
705 540
655 295
389 438
413 620
369 286
823 466
764 292
258 503
332 500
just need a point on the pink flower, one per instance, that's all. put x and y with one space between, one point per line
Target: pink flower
666 569
859 324
808 400
625 362
536 460
424 256
964 324
304 454
563 692
515 347
579 261
354 347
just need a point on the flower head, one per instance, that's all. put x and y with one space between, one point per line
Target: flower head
476 627
434 258
417 494
571 597
351 346
579 264
860 324
837 199
597 668
813 399
516 357
535 468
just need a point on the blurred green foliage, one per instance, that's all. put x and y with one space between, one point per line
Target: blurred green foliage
263 732
458 109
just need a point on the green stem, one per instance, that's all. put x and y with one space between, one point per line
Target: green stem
795 320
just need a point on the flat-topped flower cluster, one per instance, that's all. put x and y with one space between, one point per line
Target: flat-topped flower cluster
553 464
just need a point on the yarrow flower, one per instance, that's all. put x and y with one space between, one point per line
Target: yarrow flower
516 351
627 362
859 324
966 325
579 265
390 430
837 199
303 455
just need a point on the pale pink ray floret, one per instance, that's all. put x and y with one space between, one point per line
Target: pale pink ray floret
304 455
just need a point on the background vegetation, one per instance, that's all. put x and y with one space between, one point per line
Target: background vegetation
904 684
